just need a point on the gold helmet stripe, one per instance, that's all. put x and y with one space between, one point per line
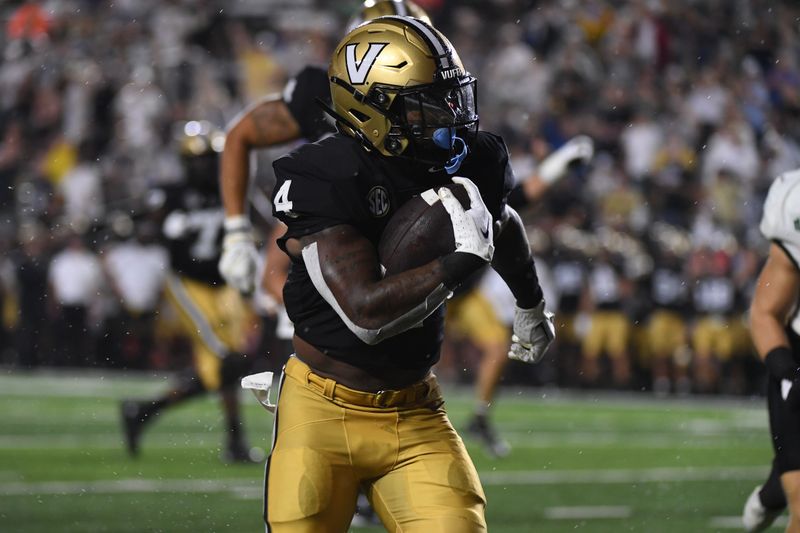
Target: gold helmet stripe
434 41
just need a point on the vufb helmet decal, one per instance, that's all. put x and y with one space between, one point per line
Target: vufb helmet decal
358 71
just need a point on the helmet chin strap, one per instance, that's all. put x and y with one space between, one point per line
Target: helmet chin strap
446 139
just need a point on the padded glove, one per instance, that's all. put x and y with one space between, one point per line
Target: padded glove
534 331
239 261
555 165
472 229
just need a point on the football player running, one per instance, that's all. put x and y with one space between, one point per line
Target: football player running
294 115
358 406
775 328
211 314
276 120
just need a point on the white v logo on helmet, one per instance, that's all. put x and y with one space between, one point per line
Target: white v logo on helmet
358 70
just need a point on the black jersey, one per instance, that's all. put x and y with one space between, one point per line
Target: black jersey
192 230
605 284
335 181
569 276
715 295
300 96
668 289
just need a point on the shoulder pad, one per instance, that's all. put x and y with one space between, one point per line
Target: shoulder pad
317 182
331 159
301 96
310 74
781 218
486 140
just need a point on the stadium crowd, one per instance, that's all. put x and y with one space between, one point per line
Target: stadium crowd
651 251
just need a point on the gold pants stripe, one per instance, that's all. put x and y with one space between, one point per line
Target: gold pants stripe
212 317
202 327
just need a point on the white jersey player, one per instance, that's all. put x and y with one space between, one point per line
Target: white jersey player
775 324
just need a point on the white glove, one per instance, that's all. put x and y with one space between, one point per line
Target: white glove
534 331
239 261
472 229
555 165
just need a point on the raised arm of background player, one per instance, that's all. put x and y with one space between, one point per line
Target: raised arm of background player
275 120
551 169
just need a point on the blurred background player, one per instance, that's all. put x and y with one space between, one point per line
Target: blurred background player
212 314
716 301
136 269
666 325
609 331
483 314
775 328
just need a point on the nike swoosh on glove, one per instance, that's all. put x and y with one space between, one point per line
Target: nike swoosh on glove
534 331
472 228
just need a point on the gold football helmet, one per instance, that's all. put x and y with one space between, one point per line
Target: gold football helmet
372 9
199 144
398 86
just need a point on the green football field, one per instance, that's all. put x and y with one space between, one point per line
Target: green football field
591 462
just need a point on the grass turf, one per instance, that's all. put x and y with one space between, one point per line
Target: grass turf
593 463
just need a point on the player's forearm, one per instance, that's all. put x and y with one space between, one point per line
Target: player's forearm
344 268
514 262
767 331
373 302
773 300
234 173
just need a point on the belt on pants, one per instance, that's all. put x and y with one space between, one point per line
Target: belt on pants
331 389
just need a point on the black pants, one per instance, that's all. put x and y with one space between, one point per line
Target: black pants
73 344
784 423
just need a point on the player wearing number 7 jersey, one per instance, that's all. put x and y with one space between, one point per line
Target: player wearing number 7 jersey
211 314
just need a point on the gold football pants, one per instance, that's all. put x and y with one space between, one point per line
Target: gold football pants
666 333
472 316
609 332
397 446
213 318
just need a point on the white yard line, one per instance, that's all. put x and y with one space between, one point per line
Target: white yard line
735 522
633 475
245 486
587 512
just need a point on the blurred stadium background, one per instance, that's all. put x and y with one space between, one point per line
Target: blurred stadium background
693 106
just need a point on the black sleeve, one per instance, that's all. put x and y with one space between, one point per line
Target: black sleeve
301 95
516 198
491 171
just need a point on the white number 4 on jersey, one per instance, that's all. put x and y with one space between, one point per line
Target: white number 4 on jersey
282 202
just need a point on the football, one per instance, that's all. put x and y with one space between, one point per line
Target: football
419 232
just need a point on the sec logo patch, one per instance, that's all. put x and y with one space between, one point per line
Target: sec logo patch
378 201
